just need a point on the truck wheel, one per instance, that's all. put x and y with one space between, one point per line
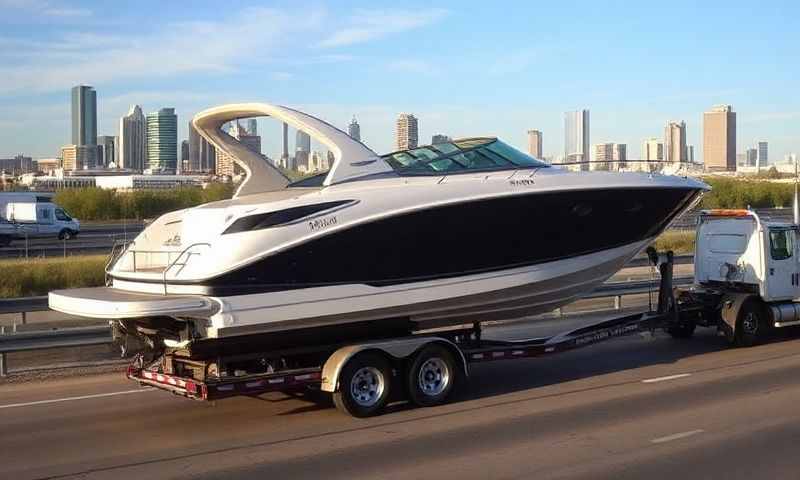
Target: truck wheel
363 385
751 325
431 376
65 234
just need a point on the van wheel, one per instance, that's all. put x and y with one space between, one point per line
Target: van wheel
751 325
364 385
65 234
431 376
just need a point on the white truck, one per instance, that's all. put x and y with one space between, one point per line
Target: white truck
41 219
746 277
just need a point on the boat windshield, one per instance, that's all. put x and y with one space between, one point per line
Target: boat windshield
464 155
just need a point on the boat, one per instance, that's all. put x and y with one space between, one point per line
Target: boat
462 232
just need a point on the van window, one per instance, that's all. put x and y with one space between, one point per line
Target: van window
44 215
780 244
727 243
61 215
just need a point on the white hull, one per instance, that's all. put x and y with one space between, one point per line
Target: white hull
495 296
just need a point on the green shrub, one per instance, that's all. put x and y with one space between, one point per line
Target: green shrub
679 241
99 204
25 278
737 193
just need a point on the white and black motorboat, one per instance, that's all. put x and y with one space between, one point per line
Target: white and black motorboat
454 233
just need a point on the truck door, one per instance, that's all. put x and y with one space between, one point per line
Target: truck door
45 220
783 274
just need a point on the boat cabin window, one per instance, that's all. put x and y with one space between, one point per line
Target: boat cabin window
780 243
460 156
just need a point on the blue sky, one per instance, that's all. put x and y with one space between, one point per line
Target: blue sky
464 68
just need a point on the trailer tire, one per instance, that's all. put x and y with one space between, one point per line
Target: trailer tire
364 385
751 324
431 376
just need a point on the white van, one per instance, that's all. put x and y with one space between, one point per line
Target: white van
36 220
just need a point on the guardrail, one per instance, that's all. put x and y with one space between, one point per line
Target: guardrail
98 335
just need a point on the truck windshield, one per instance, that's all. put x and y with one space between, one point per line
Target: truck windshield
62 215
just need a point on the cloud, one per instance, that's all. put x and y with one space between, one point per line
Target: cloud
369 25
219 46
67 12
514 62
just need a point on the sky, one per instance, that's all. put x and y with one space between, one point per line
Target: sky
463 68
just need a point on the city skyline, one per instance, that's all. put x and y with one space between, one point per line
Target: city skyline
536 77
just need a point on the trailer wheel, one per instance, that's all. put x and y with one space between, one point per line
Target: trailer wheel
363 385
751 325
431 376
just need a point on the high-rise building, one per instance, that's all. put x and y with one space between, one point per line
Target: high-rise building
719 138
302 151
576 138
202 155
48 165
18 165
132 147
741 160
675 142
652 150
690 153
79 157
285 154
535 143
751 156
406 132
603 156
184 164
439 138
224 162
252 126
162 141
354 129
620 155
763 157
84 115
106 151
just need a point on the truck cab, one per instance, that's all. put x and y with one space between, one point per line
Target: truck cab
736 250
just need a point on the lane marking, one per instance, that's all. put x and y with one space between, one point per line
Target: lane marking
71 399
676 436
664 379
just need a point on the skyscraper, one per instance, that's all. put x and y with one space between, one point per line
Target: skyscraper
162 141
107 151
406 132
675 142
252 126
603 157
202 155
576 138
763 157
84 115
620 155
354 129
302 149
132 148
84 126
719 138
535 143
184 156
439 138
752 157
690 153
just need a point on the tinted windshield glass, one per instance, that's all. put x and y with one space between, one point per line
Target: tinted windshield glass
461 156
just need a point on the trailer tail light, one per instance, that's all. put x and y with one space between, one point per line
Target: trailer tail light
191 387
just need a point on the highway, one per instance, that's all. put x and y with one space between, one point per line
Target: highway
95 238
634 407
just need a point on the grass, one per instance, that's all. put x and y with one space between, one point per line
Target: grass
679 241
26 278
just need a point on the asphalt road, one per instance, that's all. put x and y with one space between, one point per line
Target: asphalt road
94 238
634 407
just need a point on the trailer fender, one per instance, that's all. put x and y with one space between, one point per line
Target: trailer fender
399 349
730 306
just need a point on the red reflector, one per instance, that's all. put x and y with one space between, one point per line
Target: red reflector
191 387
